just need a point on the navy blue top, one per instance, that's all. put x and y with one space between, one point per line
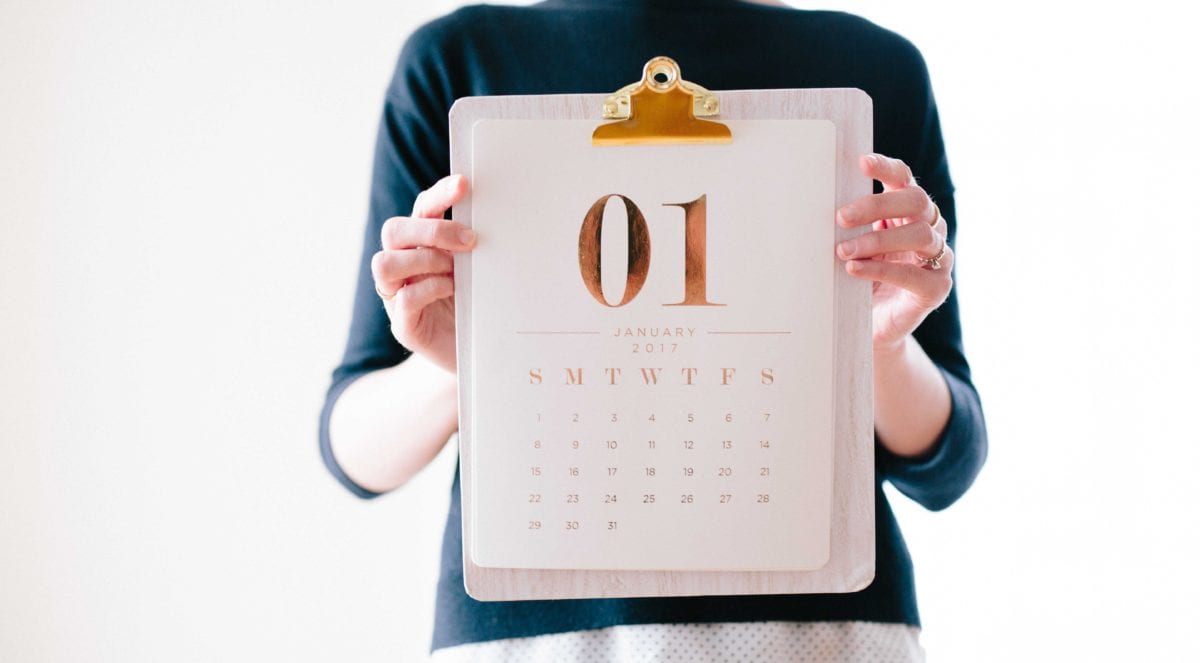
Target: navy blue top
577 46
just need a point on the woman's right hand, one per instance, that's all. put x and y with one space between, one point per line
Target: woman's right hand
414 273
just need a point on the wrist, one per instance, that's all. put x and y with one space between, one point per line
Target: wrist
892 352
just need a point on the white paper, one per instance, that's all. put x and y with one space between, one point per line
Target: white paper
541 344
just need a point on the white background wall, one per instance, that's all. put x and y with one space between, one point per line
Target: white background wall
182 190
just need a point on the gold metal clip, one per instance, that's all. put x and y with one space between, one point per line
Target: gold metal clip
661 109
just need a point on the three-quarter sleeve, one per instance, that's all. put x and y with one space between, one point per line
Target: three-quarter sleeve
411 154
937 479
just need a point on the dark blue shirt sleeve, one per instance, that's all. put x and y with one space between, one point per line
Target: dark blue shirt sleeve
939 478
410 156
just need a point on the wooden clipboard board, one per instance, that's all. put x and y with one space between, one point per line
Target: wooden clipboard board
662 108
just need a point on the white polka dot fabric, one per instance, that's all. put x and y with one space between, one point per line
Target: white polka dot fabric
763 642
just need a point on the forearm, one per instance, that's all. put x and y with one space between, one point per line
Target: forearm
912 401
390 423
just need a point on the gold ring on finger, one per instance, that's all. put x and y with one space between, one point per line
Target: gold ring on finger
934 263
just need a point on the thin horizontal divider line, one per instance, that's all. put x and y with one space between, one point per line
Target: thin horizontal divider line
749 332
558 332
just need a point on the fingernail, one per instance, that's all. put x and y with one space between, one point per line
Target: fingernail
847 248
841 217
466 236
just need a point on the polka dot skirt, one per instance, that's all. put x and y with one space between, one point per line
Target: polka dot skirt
851 642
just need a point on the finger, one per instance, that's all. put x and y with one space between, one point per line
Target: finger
893 173
392 268
414 297
929 286
433 202
919 237
907 203
401 232
939 222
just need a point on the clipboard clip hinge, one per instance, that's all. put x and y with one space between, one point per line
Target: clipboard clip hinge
662 108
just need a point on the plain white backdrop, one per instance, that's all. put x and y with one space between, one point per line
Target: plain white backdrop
182 192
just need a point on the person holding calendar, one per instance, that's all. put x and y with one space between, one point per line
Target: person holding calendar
392 404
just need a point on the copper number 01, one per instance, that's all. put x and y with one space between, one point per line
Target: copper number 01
638 264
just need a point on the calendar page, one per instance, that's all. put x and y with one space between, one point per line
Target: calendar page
652 356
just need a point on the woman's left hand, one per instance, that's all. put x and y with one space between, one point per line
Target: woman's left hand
897 256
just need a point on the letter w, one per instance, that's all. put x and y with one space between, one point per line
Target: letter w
650 375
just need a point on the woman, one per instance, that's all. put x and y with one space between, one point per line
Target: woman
392 404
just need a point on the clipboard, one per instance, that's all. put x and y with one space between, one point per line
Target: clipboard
664 110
